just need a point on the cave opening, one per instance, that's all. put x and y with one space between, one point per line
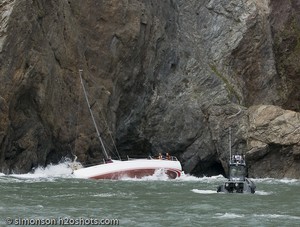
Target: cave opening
208 169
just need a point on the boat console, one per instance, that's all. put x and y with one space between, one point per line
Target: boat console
237 180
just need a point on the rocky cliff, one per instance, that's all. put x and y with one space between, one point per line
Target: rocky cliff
167 76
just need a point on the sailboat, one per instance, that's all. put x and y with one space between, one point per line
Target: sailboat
117 169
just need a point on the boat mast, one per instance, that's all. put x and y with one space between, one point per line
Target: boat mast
92 115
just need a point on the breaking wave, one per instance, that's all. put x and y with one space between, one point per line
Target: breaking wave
159 175
277 181
62 170
51 171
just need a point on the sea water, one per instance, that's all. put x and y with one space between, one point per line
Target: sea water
52 196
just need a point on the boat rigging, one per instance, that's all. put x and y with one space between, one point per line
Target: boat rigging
92 115
116 169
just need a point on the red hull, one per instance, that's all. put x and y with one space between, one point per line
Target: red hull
172 174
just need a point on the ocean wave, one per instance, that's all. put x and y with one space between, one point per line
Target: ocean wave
159 175
204 191
48 173
263 193
277 216
228 215
204 179
62 170
276 181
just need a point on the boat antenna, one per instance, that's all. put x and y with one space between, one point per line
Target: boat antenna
92 115
230 144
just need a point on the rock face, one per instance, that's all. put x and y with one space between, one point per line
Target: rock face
285 27
274 139
167 76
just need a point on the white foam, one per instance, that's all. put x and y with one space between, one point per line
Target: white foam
63 170
277 181
289 181
277 216
228 215
215 192
204 191
104 195
263 193
187 177
159 175
50 171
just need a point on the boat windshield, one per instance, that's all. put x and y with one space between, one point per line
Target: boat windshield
237 172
